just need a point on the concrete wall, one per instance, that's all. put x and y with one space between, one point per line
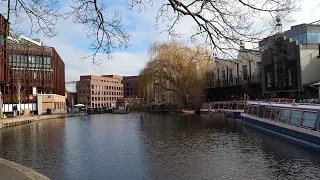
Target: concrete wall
310 64
56 103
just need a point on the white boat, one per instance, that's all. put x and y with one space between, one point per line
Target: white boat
299 122
205 108
120 111
188 111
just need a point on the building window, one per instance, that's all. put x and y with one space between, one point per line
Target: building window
231 76
245 72
92 86
290 77
269 79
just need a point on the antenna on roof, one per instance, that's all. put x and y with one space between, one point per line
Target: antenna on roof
278 24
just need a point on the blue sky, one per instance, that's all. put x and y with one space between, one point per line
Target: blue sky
71 42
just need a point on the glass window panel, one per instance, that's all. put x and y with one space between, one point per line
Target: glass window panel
14 58
275 114
300 38
309 118
261 111
255 110
267 113
246 109
295 38
314 38
284 115
33 59
296 117
308 37
304 38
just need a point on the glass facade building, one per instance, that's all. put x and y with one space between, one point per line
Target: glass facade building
303 33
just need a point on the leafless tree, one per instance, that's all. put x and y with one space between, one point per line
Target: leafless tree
19 88
221 24
105 27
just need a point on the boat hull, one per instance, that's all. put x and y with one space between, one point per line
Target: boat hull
204 111
120 111
187 111
299 135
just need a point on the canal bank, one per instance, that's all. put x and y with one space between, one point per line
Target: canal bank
8 122
11 170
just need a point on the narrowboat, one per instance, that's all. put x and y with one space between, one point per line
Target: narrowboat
189 111
205 108
227 108
298 122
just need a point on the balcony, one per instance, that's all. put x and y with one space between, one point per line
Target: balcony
255 79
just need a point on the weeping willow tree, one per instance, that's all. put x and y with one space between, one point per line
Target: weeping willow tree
176 68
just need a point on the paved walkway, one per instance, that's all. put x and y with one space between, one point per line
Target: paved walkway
7 173
13 171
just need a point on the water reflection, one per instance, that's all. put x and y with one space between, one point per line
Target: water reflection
38 145
195 147
155 146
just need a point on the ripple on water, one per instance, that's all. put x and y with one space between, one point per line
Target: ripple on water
155 146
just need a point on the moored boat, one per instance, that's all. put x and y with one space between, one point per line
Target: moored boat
294 121
205 108
227 108
120 111
188 111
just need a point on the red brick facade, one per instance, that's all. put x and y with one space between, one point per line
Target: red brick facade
4 32
31 65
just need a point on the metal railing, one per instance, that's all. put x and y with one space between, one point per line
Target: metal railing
255 79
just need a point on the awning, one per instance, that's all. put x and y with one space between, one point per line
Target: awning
315 84
79 105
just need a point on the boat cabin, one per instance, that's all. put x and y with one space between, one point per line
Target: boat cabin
295 114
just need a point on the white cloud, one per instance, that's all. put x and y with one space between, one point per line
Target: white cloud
129 62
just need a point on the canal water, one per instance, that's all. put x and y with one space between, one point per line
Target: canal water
155 146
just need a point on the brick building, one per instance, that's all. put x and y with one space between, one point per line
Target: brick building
28 67
4 32
130 86
99 91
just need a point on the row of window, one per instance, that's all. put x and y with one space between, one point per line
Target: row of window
111 93
301 118
104 98
281 78
30 61
106 87
100 80
101 105
28 74
307 38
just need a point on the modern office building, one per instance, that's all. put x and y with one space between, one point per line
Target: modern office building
290 67
302 33
99 91
29 68
130 86
4 58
